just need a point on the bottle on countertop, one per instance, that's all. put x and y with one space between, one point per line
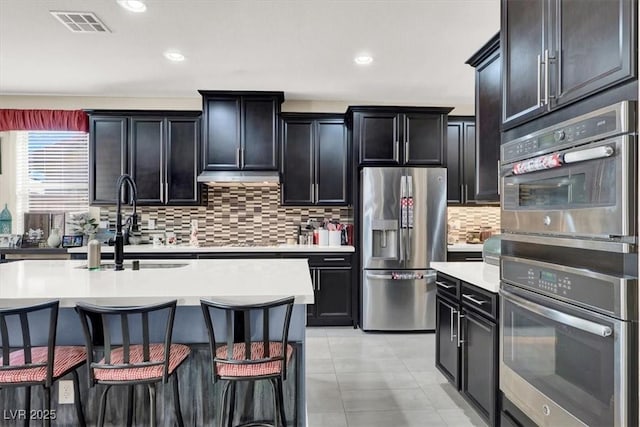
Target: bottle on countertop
94 255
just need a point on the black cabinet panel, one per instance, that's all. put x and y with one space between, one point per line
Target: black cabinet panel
469 171
447 356
333 296
146 168
594 41
454 173
331 163
479 367
423 139
297 162
524 26
379 138
464 256
259 149
488 103
222 121
108 157
315 160
183 138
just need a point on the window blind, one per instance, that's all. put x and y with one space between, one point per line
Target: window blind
52 172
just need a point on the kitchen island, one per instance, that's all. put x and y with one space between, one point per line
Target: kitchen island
31 282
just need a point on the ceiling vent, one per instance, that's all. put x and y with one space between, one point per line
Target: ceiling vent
81 22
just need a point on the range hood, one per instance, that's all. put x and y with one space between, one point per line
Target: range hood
247 178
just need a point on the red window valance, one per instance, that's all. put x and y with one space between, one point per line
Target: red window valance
64 120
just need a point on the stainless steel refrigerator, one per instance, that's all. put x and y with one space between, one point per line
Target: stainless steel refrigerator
403 222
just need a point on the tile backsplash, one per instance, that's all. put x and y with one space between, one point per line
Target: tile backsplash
231 215
462 219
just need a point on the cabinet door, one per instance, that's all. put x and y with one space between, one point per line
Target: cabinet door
183 135
454 153
221 117
447 355
311 308
378 136
423 139
146 159
333 296
488 101
469 169
479 364
523 40
595 46
297 162
331 171
107 157
259 148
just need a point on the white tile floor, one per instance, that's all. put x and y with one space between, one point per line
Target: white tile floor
357 379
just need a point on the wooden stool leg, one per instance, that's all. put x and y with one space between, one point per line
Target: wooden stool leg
152 403
78 402
176 401
103 406
223 405
283 417
232 405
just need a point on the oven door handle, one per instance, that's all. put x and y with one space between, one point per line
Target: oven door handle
564 318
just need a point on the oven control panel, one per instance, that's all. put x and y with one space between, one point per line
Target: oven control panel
597 125
592 290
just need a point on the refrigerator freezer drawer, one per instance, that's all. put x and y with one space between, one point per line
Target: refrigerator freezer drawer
399 300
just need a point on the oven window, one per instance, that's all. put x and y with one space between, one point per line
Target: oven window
572 367
587 188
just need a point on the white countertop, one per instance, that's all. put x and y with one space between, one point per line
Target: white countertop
166 249
481 274
30 282
465 247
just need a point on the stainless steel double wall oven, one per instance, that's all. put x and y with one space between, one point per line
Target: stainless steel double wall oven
569 271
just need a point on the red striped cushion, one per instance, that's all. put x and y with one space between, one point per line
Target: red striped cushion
177 353
65 358
257 352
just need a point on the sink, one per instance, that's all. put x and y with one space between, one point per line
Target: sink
143 266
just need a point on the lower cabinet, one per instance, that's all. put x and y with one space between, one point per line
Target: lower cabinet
333 300
464 256
467 343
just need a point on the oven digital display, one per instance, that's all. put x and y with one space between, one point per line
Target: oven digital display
548 277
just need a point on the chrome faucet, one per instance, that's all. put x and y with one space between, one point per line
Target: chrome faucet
131 223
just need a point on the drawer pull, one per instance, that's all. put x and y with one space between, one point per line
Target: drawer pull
444 285
334 259
472 299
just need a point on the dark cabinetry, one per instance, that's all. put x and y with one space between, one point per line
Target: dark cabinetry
158 149
398 136
315 159
488 101
461 159
559 51
467 342
464 256
332 284
240 130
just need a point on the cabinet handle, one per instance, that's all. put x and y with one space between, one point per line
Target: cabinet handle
546 77
444 285
452 335
166 191
406 151
318 279
460 340
313 194
462 193
315 186
396 150
472 299
498 177
241 157
238 157
466 193
539 74
333 259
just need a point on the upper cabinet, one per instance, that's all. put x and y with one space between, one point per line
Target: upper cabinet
556 52
387 136
159 149
240 130
315 159
461 160
488 101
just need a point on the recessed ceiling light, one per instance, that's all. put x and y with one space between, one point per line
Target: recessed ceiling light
363 59
133 5
174 56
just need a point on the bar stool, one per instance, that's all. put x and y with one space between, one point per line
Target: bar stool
130 363
23 365
250 360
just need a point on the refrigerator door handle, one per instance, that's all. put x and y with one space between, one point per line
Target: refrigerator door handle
402 218
409 225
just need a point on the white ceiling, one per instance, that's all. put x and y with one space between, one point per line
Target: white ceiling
304 48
